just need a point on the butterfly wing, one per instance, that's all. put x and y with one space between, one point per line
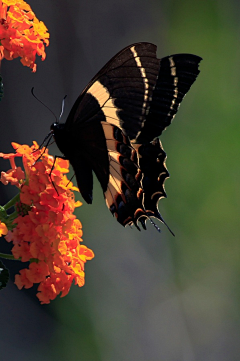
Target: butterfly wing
124 194
119 91
133 97
137 92
152 159
104 149
86 150
176 75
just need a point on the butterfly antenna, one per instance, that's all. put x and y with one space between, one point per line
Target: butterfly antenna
63 104
43 104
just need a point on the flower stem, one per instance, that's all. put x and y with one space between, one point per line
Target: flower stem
12 202
8 256
12 216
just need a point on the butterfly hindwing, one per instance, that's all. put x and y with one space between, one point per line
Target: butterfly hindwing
86 150
124 194
154 172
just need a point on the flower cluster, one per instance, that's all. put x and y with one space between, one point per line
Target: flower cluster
21 33
45 232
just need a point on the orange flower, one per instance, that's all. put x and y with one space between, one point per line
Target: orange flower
46 231
3 229
21 33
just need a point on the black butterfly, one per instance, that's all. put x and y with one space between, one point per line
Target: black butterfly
113 125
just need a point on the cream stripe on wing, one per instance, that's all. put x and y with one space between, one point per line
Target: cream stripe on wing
102 95
114 187
144 77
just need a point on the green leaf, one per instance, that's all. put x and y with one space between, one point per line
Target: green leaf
4 276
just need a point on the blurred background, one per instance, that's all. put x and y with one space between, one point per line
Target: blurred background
148 296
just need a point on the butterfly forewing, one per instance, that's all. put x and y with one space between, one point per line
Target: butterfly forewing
176 75
123 89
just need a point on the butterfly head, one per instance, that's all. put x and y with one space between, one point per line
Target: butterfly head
57 132
55 127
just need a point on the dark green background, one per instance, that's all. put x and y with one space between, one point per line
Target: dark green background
147 296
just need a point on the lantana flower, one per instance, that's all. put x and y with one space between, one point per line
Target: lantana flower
3 229
21 33
43 228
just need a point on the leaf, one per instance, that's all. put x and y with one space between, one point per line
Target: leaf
4 276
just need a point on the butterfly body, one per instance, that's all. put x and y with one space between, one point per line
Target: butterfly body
113 127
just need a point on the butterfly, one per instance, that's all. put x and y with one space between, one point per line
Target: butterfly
113 128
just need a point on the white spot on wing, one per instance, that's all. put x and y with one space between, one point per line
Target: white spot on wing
172 66
175 82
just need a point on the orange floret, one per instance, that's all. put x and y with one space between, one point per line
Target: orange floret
3 229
